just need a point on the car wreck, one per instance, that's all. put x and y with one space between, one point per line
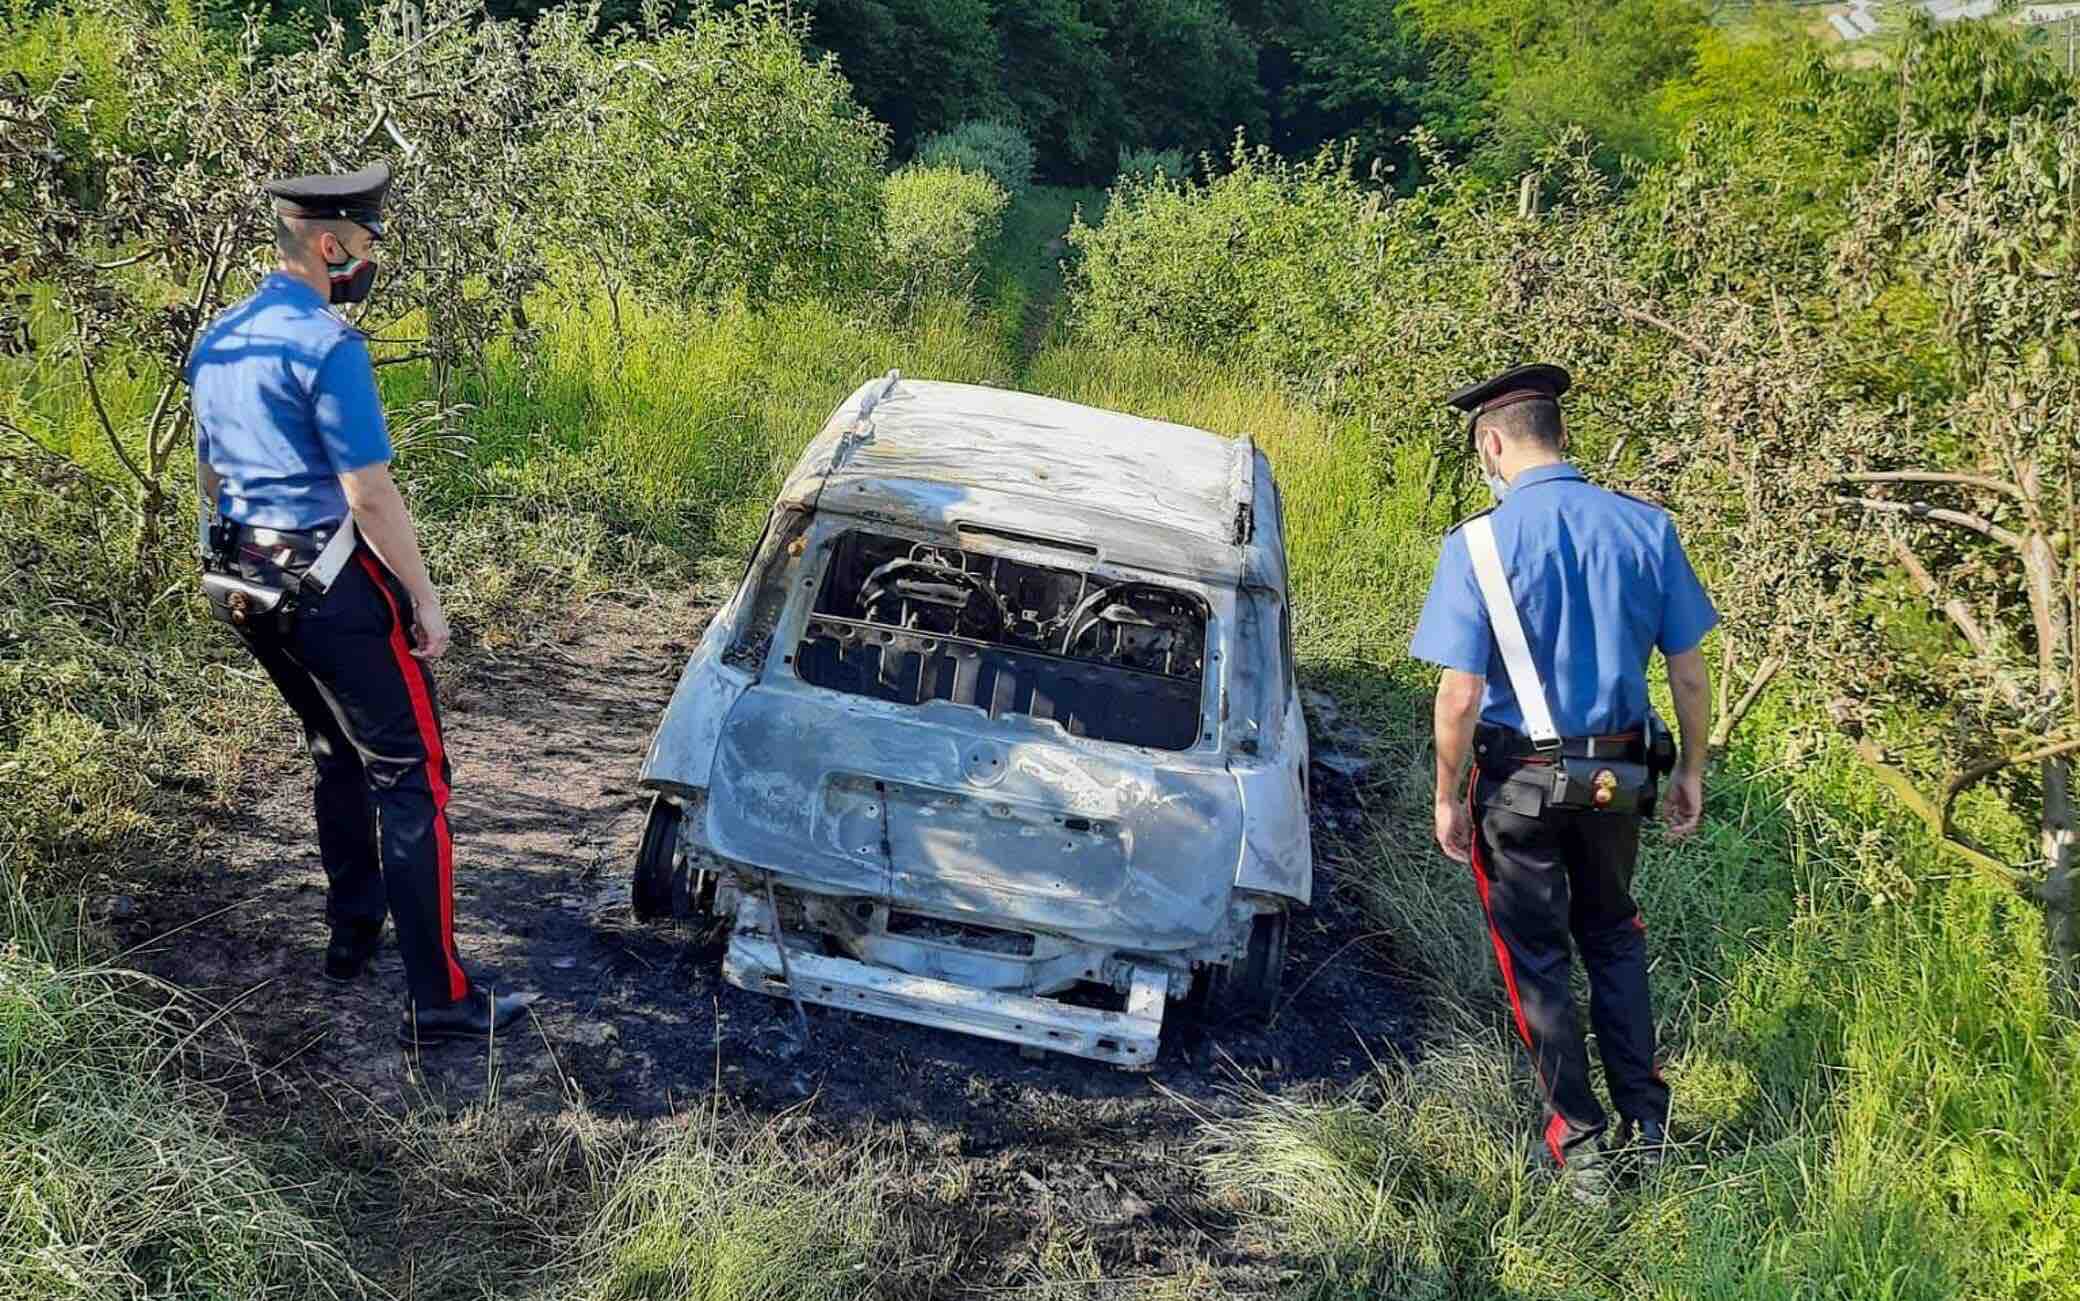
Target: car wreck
999 731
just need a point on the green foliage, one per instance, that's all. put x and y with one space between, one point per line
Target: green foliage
1364 71
708 159
1269 260
1554 65
939 222
920 66
1187 74
997 150
1147 165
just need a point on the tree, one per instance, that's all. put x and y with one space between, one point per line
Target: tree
918 65
707 159
143 224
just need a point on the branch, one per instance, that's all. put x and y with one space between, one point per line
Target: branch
1960 614
1923 511
130 261
1902 788
1722 732
157 452
1979 772
1688 340
390 128
382 117
403 358
1986 482
108 427
413 47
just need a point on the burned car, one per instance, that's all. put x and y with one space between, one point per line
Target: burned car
1003 710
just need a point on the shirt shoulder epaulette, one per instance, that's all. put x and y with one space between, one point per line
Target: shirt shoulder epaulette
1644 501
1468 520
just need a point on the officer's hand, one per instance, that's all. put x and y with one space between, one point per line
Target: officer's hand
1455 830
429 629
1683 807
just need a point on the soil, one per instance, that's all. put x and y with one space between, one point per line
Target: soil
635 1017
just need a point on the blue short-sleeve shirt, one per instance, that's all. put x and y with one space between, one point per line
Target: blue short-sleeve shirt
285 402
1600 582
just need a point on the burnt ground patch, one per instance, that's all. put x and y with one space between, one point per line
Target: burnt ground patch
634 1021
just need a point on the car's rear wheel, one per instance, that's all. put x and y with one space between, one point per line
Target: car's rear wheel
1255 981
656 860
1248 987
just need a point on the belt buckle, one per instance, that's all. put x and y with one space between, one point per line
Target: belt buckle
1546 749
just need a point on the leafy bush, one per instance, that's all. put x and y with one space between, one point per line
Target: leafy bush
697 162
998 150
1146 164
938 222
1272 261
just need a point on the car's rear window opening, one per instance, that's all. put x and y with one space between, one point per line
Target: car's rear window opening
913 622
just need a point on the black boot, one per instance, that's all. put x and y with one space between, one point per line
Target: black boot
352 948
477 1016
1644 1143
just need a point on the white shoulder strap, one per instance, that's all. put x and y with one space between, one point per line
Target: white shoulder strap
324 571
1509 630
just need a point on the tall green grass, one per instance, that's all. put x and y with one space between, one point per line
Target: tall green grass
118 1177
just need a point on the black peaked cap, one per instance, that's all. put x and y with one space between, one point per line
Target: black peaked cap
356 196
1539 381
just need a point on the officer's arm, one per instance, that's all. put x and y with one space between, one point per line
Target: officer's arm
1690 682
386 525
1458 710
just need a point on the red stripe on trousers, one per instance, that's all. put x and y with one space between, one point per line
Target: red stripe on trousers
1509 971
436 779
1556 1131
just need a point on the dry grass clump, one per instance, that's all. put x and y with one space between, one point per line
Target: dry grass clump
721 1212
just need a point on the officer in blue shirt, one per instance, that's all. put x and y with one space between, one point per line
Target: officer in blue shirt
1599 581
292 463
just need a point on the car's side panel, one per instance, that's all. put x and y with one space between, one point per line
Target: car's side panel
1270 758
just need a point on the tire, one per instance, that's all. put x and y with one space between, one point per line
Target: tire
1248 988
1253 984
656 860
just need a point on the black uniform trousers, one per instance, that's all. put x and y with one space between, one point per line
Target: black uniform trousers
1543 880
372 726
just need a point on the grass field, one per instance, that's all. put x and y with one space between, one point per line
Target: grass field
1873 1097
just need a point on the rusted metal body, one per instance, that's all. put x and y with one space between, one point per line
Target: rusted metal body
1003 705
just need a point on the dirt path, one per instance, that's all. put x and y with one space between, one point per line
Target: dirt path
546 817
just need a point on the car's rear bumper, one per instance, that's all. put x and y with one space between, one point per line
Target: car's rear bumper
1128 1039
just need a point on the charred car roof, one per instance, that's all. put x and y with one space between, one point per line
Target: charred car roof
1128 491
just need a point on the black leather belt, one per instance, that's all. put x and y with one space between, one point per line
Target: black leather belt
1503 745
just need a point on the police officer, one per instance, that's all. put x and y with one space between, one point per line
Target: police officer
1597 581
292 464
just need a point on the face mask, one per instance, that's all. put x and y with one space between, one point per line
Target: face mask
352 278
1498 487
